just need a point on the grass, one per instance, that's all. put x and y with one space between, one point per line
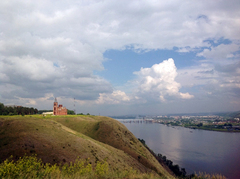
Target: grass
32 167
60 140
208 176
114 133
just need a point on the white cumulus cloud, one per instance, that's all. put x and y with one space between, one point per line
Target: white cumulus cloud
115 97
155 83
159 81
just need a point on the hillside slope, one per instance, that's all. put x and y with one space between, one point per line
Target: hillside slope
61 139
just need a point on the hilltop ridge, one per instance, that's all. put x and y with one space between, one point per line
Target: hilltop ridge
61 139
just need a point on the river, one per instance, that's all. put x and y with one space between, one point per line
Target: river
195 150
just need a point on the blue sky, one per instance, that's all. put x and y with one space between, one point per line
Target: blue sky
124 62
121 57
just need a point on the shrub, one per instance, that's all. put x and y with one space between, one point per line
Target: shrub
32 167
209 176
101 169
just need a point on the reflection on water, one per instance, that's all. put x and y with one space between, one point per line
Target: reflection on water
194 150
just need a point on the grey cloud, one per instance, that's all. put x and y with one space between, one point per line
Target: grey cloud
207 72
203 77
228 68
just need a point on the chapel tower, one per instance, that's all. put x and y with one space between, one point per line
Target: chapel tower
55 106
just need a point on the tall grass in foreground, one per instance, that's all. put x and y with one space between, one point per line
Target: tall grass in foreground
32 167
209 176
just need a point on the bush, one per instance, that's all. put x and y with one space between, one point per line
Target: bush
101 169
208 176
32 167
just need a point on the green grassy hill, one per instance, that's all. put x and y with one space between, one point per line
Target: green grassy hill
61 139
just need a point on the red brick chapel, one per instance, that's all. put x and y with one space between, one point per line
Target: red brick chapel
59 109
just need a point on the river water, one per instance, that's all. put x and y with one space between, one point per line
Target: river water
195 150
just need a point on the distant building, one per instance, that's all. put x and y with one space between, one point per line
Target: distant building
59 109
47 113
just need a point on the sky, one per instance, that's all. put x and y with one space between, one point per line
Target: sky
109 57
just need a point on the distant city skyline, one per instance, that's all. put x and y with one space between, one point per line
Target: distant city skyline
121 57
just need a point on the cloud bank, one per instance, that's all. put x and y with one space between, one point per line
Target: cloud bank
54 49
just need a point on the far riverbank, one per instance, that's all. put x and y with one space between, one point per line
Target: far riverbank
227 127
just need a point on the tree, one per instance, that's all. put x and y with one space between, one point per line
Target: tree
71 112
10 109
16 110
35 111
31 111
26 110
183 172
200 124
228 124
1 108
142 141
